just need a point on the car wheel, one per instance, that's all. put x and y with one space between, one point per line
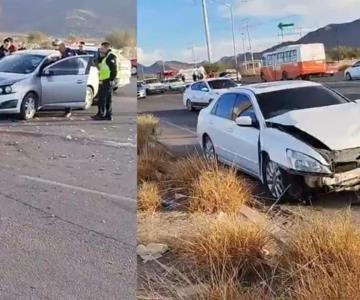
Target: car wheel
262 76
89 97
348 76
28 106
209 149
189 105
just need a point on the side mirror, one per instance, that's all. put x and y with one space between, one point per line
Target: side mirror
244 121
48 72
204 89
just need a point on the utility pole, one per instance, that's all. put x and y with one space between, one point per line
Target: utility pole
244 49
233 37
207 31
250 48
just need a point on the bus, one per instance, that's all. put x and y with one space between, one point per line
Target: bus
294 62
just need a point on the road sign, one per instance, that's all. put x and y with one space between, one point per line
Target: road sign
281 26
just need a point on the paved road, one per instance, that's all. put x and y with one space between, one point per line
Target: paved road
179 129
68 205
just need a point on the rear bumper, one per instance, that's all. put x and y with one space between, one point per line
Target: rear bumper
346 181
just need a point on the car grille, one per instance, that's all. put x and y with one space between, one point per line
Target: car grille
345 166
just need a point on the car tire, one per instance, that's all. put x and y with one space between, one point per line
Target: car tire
28 106
209 149
262 76
348 76
89 97
189 105
279 184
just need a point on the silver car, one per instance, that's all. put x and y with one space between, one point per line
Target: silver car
31 80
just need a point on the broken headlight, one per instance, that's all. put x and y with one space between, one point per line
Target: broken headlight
304 163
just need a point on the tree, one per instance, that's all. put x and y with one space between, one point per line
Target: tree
122 39
211 68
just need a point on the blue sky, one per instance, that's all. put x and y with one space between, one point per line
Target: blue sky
169 29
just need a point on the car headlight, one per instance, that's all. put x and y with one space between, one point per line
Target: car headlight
302 162
6 89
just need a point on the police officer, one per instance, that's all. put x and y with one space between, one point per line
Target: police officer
107 76
5 48
81 50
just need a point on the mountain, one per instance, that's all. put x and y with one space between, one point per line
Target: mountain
81 17
332 35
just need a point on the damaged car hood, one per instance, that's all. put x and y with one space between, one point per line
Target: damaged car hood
336 126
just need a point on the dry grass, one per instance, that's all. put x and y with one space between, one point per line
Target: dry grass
323 259
149 199
219 190
152 164
185 171
147 126
225 243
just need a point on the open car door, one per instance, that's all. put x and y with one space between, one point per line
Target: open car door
64 82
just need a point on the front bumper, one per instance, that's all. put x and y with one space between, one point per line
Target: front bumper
346 181
10 104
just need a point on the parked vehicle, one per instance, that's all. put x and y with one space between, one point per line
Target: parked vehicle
353 72
231 74
34 79
154 86
201 93
332 67
295 137
294 62
174 84
141 91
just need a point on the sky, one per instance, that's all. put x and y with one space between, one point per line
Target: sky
174 29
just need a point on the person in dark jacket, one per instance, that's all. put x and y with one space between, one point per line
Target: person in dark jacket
4 49
81 50
107 75
12 47
66 52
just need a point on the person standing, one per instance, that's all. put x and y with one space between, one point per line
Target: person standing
4 49
81 50
12 47
107 76
66 52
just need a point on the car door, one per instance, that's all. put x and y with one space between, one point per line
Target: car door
244 139
203 93
64 82
193 92
221 126
356 70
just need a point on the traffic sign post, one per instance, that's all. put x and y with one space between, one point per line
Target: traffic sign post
281 26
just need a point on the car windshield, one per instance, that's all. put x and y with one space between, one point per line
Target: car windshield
221 84
139 85
20 63
276 103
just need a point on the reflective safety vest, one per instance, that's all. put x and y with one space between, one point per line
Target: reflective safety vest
104 72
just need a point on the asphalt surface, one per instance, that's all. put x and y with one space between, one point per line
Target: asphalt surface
179 129
68 204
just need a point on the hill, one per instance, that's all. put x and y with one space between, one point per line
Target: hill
65 17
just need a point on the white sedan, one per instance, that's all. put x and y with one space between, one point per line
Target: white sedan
295 137
353 72
201 93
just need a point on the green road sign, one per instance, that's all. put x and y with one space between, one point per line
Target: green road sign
284 25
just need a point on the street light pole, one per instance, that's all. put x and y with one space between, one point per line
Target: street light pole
233 37
207 31
244 49
250 48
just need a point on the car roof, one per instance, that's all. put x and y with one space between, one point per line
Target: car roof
266 87
44 52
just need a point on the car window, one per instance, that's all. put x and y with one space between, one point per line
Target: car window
357 64
20 63
276 103
202 85
73 66
225 105
241 104
221 84
195 87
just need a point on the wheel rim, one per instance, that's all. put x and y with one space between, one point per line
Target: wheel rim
274 180
89 98
209 150
30 108
348 76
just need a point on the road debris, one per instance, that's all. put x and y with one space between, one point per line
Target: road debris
152 251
